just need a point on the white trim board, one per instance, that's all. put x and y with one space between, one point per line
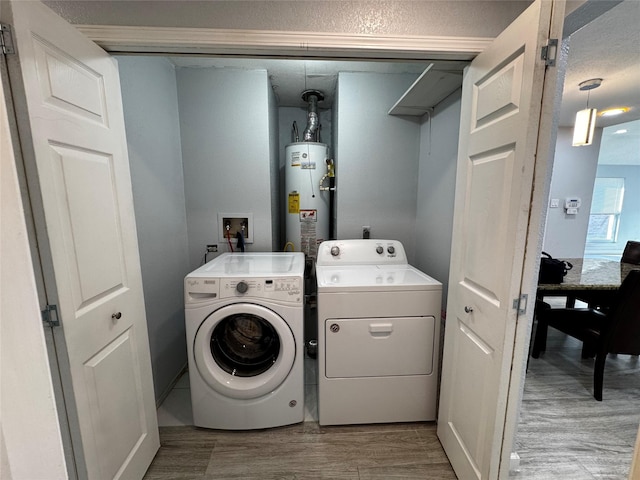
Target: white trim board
170 40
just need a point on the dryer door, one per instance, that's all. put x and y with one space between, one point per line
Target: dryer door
244 350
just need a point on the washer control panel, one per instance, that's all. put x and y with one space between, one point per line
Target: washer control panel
361 252
275 288
285 289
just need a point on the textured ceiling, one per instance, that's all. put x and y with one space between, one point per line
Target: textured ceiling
475 18
607 48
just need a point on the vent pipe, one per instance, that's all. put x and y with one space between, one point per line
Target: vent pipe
312 97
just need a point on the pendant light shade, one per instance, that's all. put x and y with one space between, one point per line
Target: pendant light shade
586 119
584 127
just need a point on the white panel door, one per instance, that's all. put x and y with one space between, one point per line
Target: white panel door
501 105
72 134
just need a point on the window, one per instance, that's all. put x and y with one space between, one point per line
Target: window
606 207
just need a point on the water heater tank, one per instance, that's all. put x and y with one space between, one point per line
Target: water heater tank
307 208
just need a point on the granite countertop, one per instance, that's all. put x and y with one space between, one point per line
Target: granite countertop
592 274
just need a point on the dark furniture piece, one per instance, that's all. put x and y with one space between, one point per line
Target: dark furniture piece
631 253
617 331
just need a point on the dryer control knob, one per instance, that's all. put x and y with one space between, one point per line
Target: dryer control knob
242 287
335 251
391 249
379 250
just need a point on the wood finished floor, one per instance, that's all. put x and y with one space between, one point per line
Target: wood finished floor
564 433
303 451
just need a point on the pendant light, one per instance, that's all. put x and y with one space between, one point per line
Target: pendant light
586 119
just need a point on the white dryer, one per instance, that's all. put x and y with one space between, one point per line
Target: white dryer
244 329
378 334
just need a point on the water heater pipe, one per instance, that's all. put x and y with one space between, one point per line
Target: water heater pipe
312 97
332 193
296 137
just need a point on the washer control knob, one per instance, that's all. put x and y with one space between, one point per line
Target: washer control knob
379 249
391 249
242 287
335 251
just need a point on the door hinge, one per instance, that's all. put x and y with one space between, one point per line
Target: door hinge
50 316
550 52
6 39
520 304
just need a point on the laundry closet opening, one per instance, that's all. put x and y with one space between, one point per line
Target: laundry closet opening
206 140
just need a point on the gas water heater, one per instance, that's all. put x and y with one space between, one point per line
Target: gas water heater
309 193
307 206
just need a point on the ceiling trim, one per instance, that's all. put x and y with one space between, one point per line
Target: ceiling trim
170 40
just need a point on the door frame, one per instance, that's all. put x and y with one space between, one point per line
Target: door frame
277 44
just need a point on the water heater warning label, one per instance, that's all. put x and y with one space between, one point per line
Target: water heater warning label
295 158
308 215
308 242
294 202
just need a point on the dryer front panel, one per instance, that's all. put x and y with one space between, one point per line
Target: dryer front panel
244 350
379 347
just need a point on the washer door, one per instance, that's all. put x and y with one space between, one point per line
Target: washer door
244 350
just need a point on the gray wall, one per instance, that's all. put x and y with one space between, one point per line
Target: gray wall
436 190
376 159
458 18
153 138
225 151
574 171
274 167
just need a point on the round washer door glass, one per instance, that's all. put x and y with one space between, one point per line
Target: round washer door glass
244 350
245 345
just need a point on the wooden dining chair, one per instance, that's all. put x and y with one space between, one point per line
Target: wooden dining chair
631 253
617 331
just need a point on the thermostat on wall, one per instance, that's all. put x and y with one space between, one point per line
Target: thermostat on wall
571 205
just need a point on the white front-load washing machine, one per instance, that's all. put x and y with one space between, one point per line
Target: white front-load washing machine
244 328
378 334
